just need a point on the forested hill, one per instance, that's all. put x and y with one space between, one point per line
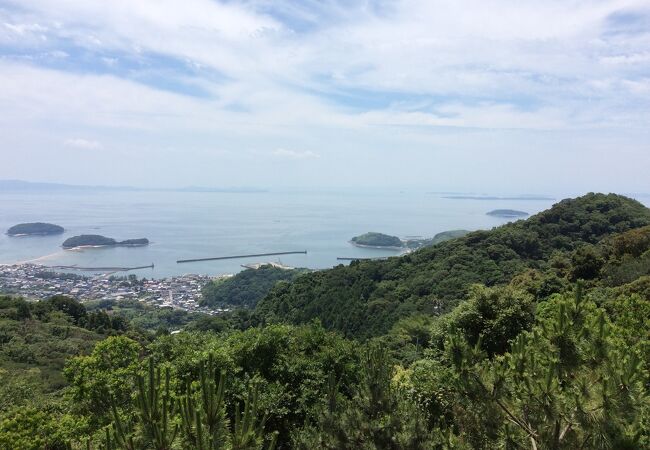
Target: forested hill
368 297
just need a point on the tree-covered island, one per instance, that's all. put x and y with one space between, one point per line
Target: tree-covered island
96 240
35 229
381 240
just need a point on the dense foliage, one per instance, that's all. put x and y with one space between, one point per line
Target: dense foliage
36 340
246 288
552 354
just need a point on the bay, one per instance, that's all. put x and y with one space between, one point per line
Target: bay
187 225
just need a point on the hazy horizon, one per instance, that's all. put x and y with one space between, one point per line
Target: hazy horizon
502 98
18 186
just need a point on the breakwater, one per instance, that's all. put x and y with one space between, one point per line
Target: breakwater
217 258
379 258
102 269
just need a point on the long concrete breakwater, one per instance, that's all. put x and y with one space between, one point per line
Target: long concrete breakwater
102 269
216 258
377 258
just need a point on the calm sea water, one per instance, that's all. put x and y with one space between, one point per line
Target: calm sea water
184 225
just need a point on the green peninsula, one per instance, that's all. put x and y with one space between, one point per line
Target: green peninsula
95 240
35 229
443 236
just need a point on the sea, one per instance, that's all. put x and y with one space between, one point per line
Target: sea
192 225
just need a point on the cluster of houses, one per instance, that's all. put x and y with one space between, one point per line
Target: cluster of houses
36 281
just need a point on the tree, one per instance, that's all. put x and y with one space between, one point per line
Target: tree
567 384
378 416
493 316
587 262
69 306
103 377
22 311
197 420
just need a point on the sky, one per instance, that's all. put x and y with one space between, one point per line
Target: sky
537 97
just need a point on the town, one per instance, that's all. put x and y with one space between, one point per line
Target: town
38 282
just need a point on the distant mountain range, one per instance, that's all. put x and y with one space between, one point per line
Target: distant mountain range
491 197
29 186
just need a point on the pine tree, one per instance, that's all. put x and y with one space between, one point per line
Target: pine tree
197 420
568 384
378 416
154 411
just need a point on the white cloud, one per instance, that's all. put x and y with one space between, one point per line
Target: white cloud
83 144
367 80
22 29
543 51
295 154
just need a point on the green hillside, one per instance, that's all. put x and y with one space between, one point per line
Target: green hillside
36 340
368 297
247 287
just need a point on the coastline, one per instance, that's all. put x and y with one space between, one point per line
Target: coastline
508 216
377 247
32 234
82 247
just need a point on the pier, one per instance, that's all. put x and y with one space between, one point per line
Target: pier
378 258
102 269
217 258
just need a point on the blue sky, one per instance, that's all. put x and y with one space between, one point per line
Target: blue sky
489 95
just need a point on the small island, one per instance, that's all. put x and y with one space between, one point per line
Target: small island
95 240
35 229
377 240
409 243
507 213
134 242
